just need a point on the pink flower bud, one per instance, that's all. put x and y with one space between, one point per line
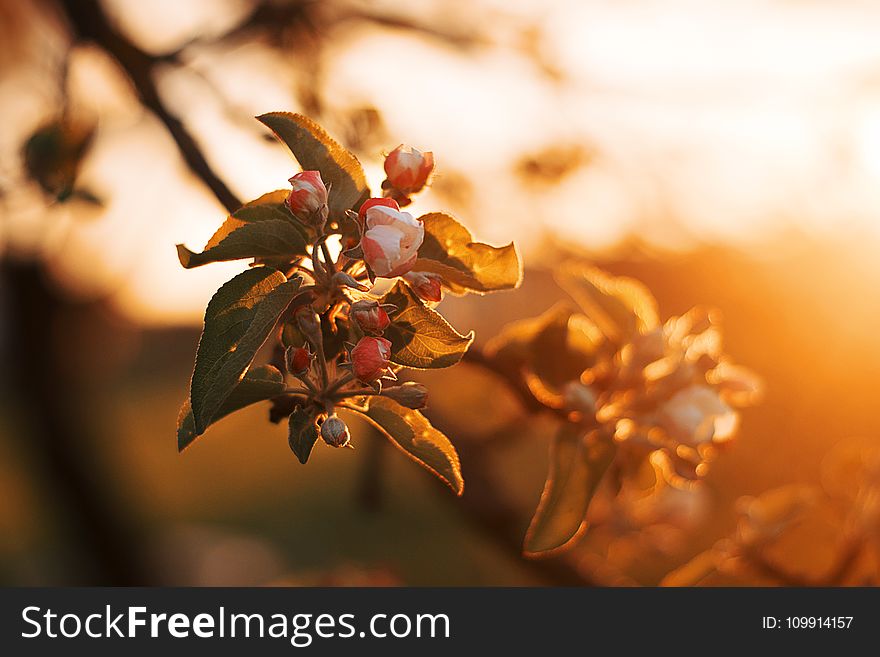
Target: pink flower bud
307 200
370 316
372 202
410 395
298 360
425 284
334 432
370 358
408 169
391 241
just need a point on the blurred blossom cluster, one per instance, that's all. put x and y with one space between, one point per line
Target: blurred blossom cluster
640 400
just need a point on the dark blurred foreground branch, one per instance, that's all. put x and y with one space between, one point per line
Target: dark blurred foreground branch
60 433
88 22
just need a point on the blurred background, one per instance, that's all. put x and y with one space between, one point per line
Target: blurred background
726 153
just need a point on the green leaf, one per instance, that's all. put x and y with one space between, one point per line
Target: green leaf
270 238
465 265
315 150
420 337
238 320
258 384
577 464
621 307
411 432
302 433
267 207
262 228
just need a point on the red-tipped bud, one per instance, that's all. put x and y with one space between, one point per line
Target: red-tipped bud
410 394
372 202
298 360
370 316
307 200
370 358
408 169
334 432
425 284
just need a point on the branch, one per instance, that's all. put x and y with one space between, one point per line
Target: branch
89 23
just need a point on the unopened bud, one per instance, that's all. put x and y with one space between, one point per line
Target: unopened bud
307 200
334 432
298 360
371 202
370 316
370 358
408 169
309 322
410 394
425 284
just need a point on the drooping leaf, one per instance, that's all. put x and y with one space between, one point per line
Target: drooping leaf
556 346
258 384
411 432
421 337
315 150
262 239
577 464
465 265
238 320
302 433
621 307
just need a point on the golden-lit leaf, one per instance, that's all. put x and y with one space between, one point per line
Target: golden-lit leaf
315 150
262 239
411 432
238 320
694 571
465 265
621 307
267 207
262 228
302 433
421 337
577 464
258 384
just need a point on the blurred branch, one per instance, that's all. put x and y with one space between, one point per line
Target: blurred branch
274 17
88 23
61 433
